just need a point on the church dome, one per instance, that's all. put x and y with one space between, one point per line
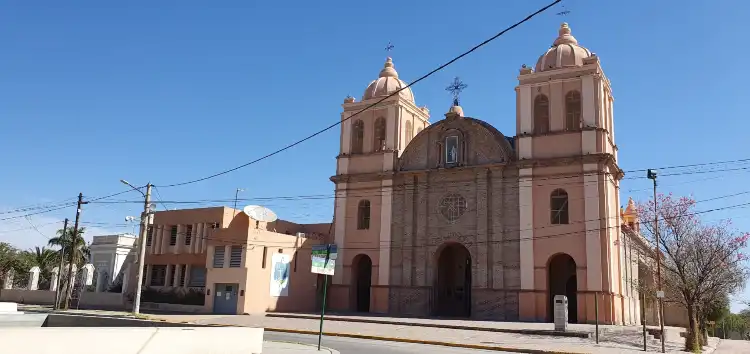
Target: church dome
565 52
387 83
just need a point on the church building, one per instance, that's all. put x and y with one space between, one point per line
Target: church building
455 218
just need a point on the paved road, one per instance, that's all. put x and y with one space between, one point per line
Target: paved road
361 346
728 346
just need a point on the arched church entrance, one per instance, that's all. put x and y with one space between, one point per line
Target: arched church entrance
453 283
561 278
362 282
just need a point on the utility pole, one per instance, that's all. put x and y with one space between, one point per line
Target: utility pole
142 247
651 174
73 244
60 268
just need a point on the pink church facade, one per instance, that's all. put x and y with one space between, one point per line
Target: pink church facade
454 218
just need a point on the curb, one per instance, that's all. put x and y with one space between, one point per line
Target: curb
418 341
539 332
330 350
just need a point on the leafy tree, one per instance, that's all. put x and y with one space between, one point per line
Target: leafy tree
699 262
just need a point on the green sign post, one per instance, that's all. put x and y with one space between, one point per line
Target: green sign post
323 262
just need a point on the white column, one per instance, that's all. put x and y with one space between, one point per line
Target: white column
525 92
588 101
526 225
384 263
33 283
390 127
53 281
188 267
593 226
340 231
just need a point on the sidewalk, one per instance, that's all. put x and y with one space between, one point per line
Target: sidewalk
293 348
613 339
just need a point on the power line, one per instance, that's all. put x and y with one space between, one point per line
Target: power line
441 67
28 219
27 228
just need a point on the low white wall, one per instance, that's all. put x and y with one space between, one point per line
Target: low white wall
33 297
139 340
44 297
173 307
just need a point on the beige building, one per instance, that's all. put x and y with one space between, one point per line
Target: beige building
456 218
233 259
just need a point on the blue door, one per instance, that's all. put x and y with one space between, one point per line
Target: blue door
225 299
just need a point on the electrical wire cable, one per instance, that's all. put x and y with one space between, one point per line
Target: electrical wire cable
441 67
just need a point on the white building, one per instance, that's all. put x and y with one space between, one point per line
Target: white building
108 253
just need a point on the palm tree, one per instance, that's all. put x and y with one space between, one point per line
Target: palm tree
71 241
66 241
45 259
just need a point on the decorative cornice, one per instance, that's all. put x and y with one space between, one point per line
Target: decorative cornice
559 132
372 153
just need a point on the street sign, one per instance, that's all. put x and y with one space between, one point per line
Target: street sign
659 294
323 262
324 259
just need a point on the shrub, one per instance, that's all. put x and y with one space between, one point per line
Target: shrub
180 296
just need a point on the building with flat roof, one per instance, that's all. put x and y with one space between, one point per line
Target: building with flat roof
241 265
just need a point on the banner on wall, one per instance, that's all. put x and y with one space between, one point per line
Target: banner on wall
280 274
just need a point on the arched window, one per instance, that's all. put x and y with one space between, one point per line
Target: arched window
573 110
559 207
363 215
409 133
358 136
379 134
541 114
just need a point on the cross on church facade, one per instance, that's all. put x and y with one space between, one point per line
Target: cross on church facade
389 47
455 89
564 11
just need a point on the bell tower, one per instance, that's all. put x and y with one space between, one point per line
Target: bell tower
568 181
371 142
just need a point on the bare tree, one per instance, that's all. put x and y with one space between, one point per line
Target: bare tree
700 262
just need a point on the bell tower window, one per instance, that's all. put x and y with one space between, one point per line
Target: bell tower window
451 150
559 207
541 114
363 215
358 136
572 110
380 134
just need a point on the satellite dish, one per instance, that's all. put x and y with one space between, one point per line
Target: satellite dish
260 213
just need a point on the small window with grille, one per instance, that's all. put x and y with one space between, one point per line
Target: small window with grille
219 257
183 269
235 257
173 236
188 234
149 235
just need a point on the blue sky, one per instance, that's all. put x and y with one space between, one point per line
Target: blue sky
93 92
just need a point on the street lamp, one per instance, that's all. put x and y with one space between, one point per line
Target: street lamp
141 243
131 219
651 174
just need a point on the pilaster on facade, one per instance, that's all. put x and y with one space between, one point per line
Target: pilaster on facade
526 225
